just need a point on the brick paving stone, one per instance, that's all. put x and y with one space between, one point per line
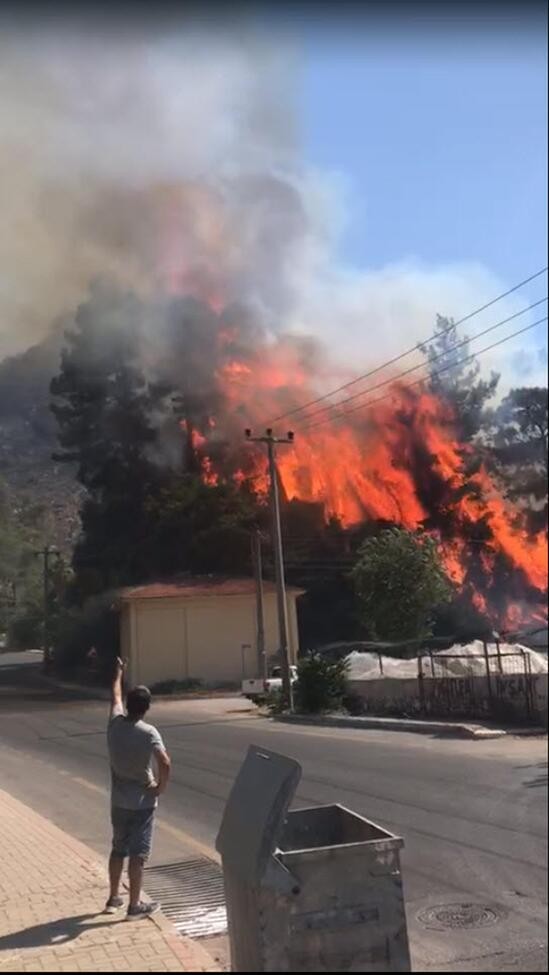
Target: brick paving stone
52 892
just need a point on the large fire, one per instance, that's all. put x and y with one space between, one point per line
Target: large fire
397 461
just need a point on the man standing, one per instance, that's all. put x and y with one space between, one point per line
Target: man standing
140 769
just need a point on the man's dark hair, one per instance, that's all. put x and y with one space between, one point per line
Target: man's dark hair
138 702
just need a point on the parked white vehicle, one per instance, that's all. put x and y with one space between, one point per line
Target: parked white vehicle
258 688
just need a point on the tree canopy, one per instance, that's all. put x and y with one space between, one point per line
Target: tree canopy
131 399
143 515
455 374
21 596
519 435
399 581
518 445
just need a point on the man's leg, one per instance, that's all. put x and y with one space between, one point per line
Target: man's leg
135 873
116 865
140 848
120 840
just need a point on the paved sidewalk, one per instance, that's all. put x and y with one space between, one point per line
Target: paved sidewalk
51 889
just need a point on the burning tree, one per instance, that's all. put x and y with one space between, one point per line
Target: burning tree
149 509
519 449
169 490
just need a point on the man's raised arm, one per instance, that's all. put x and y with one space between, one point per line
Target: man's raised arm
117 691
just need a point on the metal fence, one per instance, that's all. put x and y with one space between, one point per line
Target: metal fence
496 684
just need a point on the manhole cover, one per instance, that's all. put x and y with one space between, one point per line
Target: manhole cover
191 894
459 916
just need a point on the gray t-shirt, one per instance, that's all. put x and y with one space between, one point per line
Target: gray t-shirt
132 745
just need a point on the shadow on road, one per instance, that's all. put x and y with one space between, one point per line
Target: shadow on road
24 685
537 782
540 779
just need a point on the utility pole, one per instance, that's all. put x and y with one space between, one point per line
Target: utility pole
271 442
45 554
260 624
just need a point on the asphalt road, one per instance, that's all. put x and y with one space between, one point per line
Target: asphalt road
472 814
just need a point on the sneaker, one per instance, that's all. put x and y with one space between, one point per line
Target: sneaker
142 911
113 905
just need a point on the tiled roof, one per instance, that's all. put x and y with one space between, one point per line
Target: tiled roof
193 588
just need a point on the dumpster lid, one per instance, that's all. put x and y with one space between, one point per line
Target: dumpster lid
254 816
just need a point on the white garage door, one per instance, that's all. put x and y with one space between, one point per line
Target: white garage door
216 635
161 646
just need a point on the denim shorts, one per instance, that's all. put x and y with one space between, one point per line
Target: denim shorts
132 831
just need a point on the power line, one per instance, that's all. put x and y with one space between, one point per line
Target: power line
424 365
417 382
414 348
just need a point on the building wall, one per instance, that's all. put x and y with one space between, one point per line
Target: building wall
160 643
199 638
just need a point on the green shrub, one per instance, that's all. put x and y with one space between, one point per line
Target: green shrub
354 704
26 629
276 701
321 684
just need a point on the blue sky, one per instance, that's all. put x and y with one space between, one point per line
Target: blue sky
446 152
440 138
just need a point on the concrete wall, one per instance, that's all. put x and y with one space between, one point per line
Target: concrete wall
509 695
202 638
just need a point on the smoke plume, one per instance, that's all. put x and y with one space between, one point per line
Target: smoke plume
174 161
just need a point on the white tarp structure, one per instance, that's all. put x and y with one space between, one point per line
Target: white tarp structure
472 662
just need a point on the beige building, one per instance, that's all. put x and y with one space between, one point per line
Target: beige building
203 629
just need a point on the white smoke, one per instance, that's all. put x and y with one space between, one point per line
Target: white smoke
141 159
176 160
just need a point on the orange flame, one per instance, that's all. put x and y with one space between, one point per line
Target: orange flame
381 463
199 442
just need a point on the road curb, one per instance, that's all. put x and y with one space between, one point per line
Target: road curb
189 950
446 728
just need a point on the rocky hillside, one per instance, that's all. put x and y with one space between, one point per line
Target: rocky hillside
28 441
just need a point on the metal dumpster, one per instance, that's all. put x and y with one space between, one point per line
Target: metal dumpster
312 890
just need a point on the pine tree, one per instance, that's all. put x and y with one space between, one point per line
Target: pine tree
459 380
103 406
